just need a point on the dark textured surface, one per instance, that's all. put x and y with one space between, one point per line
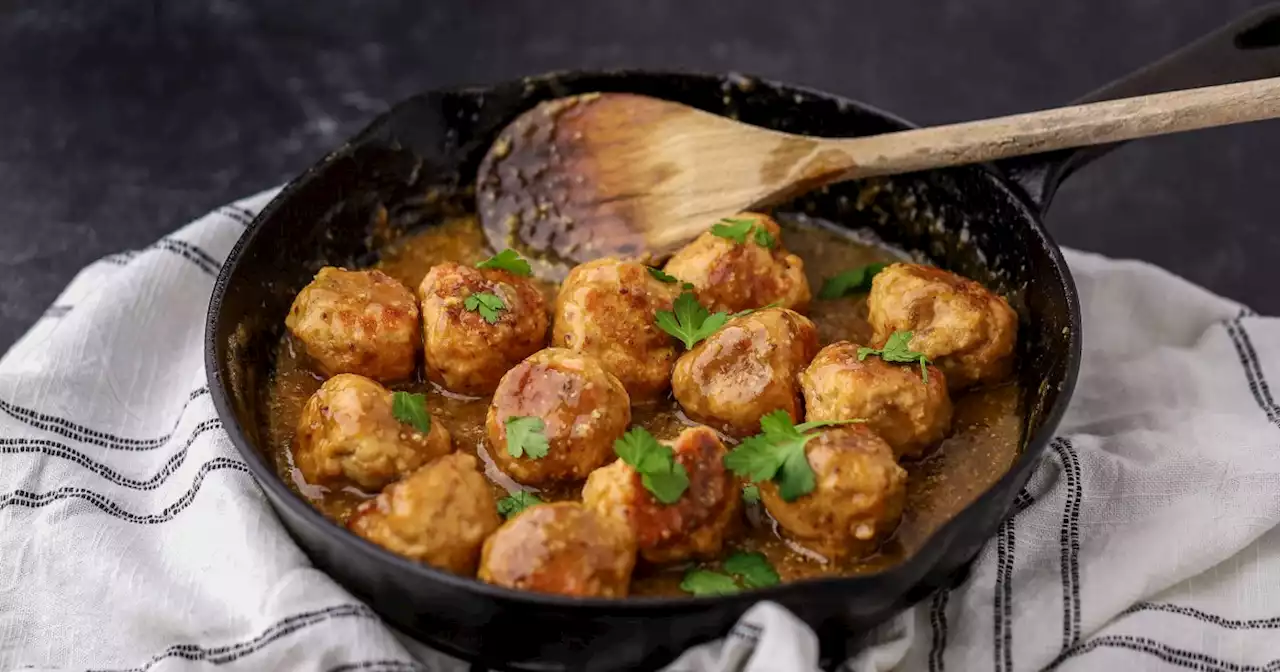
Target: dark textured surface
121 120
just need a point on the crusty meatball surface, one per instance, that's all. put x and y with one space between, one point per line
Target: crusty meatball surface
348 434
696 525
745 370
361 322
465 353
607 308
439 514
562 548
584 409
856 502
733 277
963 327
911 415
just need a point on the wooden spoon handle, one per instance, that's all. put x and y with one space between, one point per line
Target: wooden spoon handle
1076 126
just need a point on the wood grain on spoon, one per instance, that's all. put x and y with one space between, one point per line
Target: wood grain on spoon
627 175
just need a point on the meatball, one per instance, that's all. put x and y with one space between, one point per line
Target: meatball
439 514
966 329
607 308
361 322
466 353
733 277
562 548
348 434
911 415
746 369
696 525
857 499
584 409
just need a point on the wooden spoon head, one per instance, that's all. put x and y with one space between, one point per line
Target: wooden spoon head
597 175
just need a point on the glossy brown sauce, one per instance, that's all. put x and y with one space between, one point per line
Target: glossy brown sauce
986 431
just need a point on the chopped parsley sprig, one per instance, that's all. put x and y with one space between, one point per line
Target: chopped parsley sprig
689 320
777 454
741 570
737 231
507 260
411 409
896 349
490 306
525 437
656 463
852 281
516 502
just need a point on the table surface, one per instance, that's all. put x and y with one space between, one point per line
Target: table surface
123 120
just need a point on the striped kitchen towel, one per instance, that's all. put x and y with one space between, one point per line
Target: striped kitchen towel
132 537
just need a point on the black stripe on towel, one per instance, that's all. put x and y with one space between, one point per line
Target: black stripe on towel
32 500
1206 617
191 253
1069 540
235 213
221 655
65 452
1002 602
76 432
938 624
1253 370
1172 655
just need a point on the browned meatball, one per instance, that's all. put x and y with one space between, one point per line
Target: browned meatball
360 322
856 502
966 329
466 353
584 409
561 548
732 276
911 415
347 434
439 514
745 370
696 525
607 308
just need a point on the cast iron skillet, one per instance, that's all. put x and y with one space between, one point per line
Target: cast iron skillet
419 160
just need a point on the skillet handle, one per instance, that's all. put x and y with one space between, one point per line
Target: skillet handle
1247 48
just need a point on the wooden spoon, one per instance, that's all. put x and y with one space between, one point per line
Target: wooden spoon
619 174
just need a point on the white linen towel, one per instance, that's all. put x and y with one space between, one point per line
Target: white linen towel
132 537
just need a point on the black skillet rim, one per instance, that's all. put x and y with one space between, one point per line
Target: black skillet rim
917 564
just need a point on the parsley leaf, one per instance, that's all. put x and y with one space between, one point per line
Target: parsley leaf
853 281
488 305
689 321
896 350
662 275
659 471
516 502
753 569
748 311
507 260
733 229
525 437
751 493
777 453
411 409
764 238
706 582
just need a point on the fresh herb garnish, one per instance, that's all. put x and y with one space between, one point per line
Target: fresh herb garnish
752 310
507 260
706 582
525 437
516 502
751 493
662 275
741 570
896 350
752 569
411 409
490 306
853 281
733 229
689 321
764 238
777 453
659 471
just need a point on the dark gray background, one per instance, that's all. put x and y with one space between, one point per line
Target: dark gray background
120 120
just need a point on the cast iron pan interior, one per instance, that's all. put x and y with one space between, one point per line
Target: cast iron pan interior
419 160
